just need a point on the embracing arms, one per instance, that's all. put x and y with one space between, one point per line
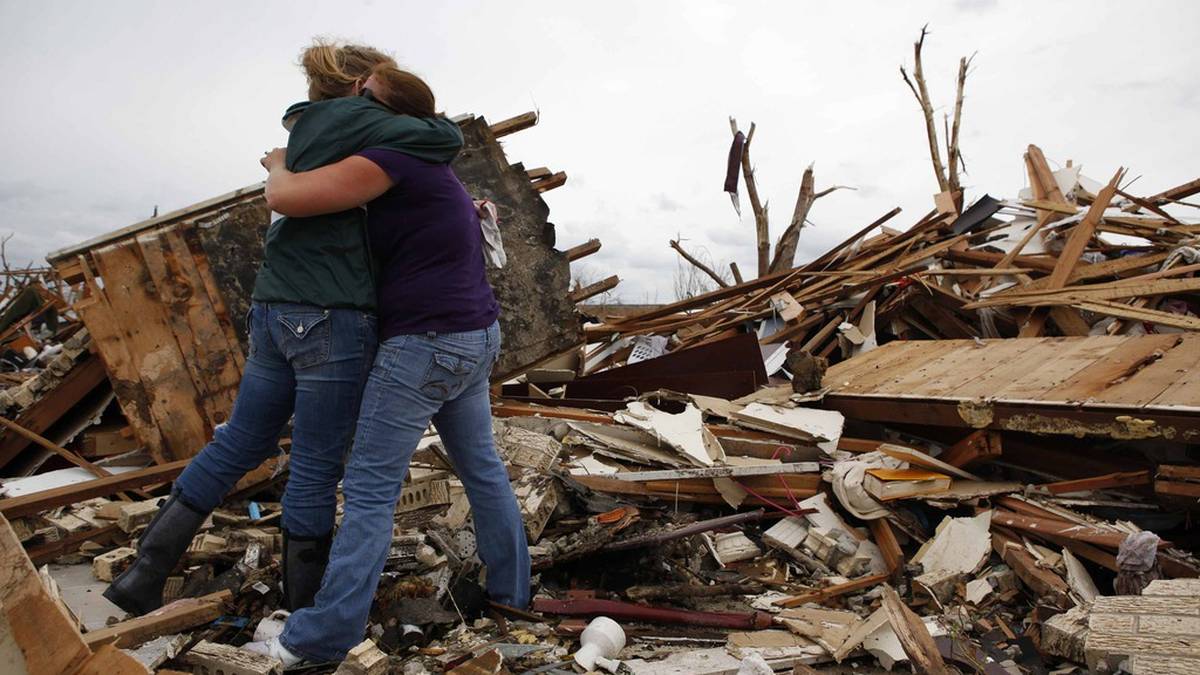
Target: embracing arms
343 185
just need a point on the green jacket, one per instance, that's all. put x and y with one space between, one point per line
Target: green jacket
326 260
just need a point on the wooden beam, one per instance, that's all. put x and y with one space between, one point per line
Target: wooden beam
1176 193
540 172
514 124
1112 480
1037 526
550 182
1082 233
582 250
1041 582
1121 311
988 258
885 539
581 294
74 386
56 449
825 594
923 654
37 502
173 618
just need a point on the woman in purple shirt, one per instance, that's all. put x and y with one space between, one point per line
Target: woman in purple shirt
438 341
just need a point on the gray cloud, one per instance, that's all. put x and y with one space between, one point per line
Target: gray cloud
151 103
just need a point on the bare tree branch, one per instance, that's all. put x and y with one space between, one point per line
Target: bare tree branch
921 91
952 151
699 265
832 188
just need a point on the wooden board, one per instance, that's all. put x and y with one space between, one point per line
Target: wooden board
202 340
175 617
1137 370
160 365
1184 391
888 368
105 329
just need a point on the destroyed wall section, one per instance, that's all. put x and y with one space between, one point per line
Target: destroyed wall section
537 319
165 300
164 313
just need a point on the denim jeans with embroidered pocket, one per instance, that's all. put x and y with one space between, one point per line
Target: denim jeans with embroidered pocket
305 336
307 364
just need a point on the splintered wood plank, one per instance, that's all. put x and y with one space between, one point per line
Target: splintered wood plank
172 618
1145 385
1119 363
913 634
172 397
102 324
978 362
1072 358
914 353
1184 391
47 640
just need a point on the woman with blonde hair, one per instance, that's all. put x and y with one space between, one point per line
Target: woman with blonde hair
313 336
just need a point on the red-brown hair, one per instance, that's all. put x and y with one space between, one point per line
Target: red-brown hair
402 91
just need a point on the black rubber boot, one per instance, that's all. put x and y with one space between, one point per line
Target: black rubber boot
138 590
304 562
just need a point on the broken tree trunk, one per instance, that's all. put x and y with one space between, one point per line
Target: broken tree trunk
785 249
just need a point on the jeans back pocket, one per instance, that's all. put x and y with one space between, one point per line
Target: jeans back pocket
305 337
446 375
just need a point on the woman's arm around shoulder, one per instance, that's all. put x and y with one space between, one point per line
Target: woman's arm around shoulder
343 185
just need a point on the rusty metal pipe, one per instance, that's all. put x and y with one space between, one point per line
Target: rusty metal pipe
628 611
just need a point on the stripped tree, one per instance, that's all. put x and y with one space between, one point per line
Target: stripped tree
947 177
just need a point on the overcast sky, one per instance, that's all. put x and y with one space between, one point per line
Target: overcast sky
112 108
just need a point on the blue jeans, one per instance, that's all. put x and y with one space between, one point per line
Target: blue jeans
307 361
416 379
